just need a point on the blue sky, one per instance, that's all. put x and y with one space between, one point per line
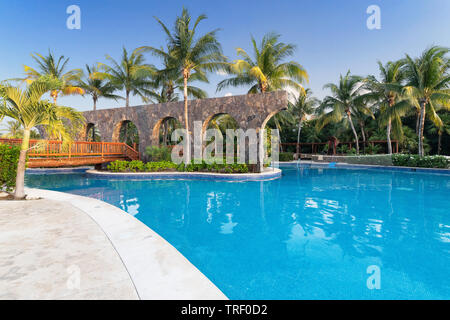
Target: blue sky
331 36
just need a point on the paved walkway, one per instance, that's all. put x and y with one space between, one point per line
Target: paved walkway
52 250
66 246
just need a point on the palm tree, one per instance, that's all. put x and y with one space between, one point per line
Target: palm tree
190 56
387 93
304 105
345 99
267 71
428 84
13 130
96 87
52 69
28 108
130 74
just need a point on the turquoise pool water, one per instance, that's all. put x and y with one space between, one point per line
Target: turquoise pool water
313 234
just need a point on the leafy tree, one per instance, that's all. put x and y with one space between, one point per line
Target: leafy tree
97 87
427 84
267 71
27 107
190 56
54 70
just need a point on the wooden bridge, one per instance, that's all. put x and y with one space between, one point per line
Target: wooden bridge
52 153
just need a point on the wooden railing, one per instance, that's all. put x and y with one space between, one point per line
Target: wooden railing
313 147
53 149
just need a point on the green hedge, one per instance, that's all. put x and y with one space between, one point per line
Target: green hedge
139 166
157 154
286 156
9 158
413 160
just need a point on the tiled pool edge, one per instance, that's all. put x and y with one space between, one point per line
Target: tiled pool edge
156 268
364 166
269 174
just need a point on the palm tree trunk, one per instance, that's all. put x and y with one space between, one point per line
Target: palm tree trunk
417 122
95 103
439 142
20 177
298 136
421 126
187 156
363 134
127 104
388 136
349 117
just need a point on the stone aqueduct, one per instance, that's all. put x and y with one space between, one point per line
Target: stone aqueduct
250 111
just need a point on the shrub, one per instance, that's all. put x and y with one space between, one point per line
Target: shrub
156 154
118 166
413 160
286 156
9 158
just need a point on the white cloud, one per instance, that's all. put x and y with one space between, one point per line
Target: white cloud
229 94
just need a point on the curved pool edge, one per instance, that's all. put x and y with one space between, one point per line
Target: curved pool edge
157 270
268 174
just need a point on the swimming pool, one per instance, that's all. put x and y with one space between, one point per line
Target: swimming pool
315 233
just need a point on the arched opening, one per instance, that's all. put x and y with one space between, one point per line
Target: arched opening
127 132
92 133
162 132
221 122
271 128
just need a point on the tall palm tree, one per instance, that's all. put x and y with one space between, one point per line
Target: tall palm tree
387 93
267 71
130 74
190 56
304 105
27 107
428 84
345 99
96 87
54 70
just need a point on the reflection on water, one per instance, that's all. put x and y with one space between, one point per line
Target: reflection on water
311 234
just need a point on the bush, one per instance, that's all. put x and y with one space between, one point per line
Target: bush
9 158
413 160
156 154
213 167
286 156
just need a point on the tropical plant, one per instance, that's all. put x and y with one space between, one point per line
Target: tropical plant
27 107
266 71
130 74
303 105
54 70
345 100
387 93
428 85
97 87
190 56
13 130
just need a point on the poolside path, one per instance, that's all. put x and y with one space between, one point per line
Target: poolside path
52 250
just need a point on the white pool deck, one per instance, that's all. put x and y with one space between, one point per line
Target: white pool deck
71 247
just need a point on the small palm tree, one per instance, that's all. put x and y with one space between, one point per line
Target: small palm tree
96 87
52 69
28 108
428 85
345 99
266 71
304 105
13 130
189 56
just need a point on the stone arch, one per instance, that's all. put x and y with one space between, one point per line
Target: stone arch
156 132
92 133
118 129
